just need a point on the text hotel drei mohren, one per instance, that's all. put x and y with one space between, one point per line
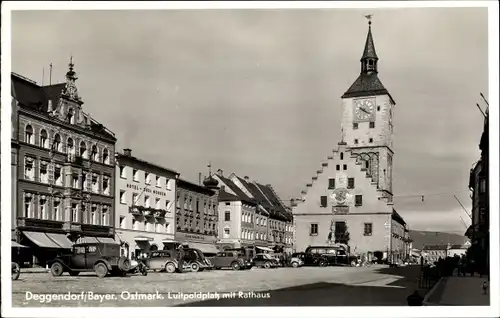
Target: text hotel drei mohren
125 295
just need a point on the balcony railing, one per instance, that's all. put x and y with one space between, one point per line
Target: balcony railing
147 211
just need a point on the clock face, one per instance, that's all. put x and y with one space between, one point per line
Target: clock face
363 109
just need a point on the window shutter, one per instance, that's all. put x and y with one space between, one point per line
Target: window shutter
323 201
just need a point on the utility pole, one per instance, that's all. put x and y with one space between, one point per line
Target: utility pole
466 212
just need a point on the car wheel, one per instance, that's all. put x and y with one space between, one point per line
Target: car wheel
295 264
267 265
170 268
322 263
195 267
56 269
124 264
353 263
235 266
73 273
101 270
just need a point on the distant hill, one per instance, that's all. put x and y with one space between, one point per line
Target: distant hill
421 238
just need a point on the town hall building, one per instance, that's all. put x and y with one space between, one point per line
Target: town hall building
349 200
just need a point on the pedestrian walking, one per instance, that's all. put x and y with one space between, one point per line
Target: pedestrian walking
181 254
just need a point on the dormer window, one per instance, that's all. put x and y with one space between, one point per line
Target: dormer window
370 62
71 116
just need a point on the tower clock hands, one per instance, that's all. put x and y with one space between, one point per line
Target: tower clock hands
363 109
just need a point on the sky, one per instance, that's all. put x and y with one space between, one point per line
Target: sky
257 92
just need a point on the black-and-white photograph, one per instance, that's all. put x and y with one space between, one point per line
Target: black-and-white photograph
259 156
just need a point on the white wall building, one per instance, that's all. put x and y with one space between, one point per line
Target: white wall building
145 205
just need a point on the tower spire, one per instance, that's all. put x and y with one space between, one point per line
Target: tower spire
369 59
70 89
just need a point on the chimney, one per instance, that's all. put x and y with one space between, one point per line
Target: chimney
127 152
219 173
199 178
246 178
50 110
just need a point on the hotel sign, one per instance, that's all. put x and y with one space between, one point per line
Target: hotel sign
182 236
146 189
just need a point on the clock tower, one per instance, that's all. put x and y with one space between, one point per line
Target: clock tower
367 127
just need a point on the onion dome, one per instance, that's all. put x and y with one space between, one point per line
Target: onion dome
210 182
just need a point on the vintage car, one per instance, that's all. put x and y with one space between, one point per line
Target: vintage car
246 252
168 260
232 259
101 258
329 255
265 260
296 260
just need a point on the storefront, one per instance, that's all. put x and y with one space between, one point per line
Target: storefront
205 243
135 243
45 246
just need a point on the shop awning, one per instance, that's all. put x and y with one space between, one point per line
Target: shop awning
107 240
143 239
41 239
15 244
169 241
87 239
204 247
60 239
265 248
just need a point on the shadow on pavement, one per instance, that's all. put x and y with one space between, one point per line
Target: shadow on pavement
331 294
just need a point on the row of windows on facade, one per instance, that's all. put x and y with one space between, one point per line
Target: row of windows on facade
146 225
71 149
188 223
194 205
261 221
146 202
356 125
350 183
78 212
339 226
251 235
89 182
366 166
148 177
358 200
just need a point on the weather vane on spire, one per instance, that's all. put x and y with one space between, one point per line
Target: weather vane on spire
369 17
209 168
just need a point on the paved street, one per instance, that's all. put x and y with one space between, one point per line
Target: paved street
307 286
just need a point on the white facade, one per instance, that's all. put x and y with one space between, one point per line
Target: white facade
145 205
